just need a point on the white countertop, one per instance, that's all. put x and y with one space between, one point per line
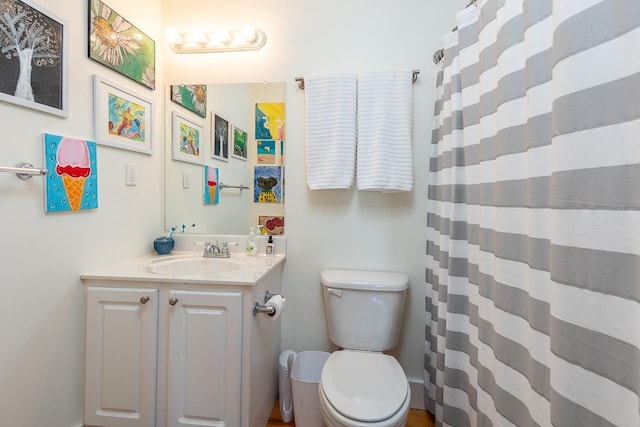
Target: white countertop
251 270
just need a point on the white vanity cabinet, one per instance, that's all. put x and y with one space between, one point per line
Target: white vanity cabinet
181 350
205 344
121 348
203 341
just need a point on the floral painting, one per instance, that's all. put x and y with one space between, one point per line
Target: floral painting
211 187
270 120
72 181
32 60
191 97
267 185
116 43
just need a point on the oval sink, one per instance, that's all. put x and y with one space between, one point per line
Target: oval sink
191 265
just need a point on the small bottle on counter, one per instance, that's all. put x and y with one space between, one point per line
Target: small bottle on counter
269 247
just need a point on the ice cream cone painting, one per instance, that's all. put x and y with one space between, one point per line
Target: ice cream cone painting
72 179
211 186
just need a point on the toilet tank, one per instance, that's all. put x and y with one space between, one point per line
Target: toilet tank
364 308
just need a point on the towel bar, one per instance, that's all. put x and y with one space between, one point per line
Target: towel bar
24 170
300 80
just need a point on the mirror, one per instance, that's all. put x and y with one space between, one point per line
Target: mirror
225 157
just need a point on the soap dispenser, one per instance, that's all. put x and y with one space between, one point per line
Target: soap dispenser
251 243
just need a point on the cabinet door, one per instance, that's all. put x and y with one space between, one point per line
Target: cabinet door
205 345
121 341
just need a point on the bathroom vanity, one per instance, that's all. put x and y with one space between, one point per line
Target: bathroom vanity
173 341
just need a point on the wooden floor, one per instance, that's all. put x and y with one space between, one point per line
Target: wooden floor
416 418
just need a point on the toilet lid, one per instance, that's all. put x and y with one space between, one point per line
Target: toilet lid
364 386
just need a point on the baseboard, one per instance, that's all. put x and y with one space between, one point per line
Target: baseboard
417 393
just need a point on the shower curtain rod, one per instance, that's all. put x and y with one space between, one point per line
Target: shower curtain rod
300 80
439 54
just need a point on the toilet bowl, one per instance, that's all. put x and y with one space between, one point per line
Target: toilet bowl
360 386
363 389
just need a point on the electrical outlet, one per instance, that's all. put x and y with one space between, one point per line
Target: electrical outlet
130 173
186 180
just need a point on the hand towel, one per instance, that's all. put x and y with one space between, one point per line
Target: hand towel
331 130
385 118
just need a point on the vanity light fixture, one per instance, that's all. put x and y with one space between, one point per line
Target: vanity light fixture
223 40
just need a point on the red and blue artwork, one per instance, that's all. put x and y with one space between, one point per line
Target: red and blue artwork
72 181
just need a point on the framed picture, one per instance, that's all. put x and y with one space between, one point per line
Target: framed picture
239 150
191 97
72 181
39 80
122 119
268 186
187 140
119 45
219 138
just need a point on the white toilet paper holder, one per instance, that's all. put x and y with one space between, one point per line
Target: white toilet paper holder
269 310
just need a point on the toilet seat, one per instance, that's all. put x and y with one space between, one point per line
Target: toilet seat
363 386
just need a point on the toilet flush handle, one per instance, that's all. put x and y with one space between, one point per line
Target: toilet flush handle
336 292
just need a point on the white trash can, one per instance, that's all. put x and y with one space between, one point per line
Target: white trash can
305 377
285 397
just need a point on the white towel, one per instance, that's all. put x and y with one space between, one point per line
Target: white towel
385 117
331 130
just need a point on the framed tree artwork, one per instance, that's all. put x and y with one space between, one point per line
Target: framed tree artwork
219 138
33 64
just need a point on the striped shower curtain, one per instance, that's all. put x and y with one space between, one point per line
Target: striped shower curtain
533 235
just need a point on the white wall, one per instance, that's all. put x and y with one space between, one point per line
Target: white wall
334 229
42 255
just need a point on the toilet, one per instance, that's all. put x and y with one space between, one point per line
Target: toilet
360 385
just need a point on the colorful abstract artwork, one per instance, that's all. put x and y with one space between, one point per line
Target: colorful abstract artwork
268 184
33 60
122 118
126 118
117 44
187 140
282 153
72 181
239 144
270 120
266 152
274 225
211 187
191 97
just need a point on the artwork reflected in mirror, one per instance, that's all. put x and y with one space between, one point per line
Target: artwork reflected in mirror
242 150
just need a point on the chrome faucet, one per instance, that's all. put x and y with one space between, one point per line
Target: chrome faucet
213 250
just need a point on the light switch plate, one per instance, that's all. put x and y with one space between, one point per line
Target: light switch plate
130 174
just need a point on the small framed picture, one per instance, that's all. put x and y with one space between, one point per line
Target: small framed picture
239 150
33 64
191 97
187 139
122 118
219 138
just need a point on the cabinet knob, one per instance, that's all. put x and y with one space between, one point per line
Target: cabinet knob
143 300
173 301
